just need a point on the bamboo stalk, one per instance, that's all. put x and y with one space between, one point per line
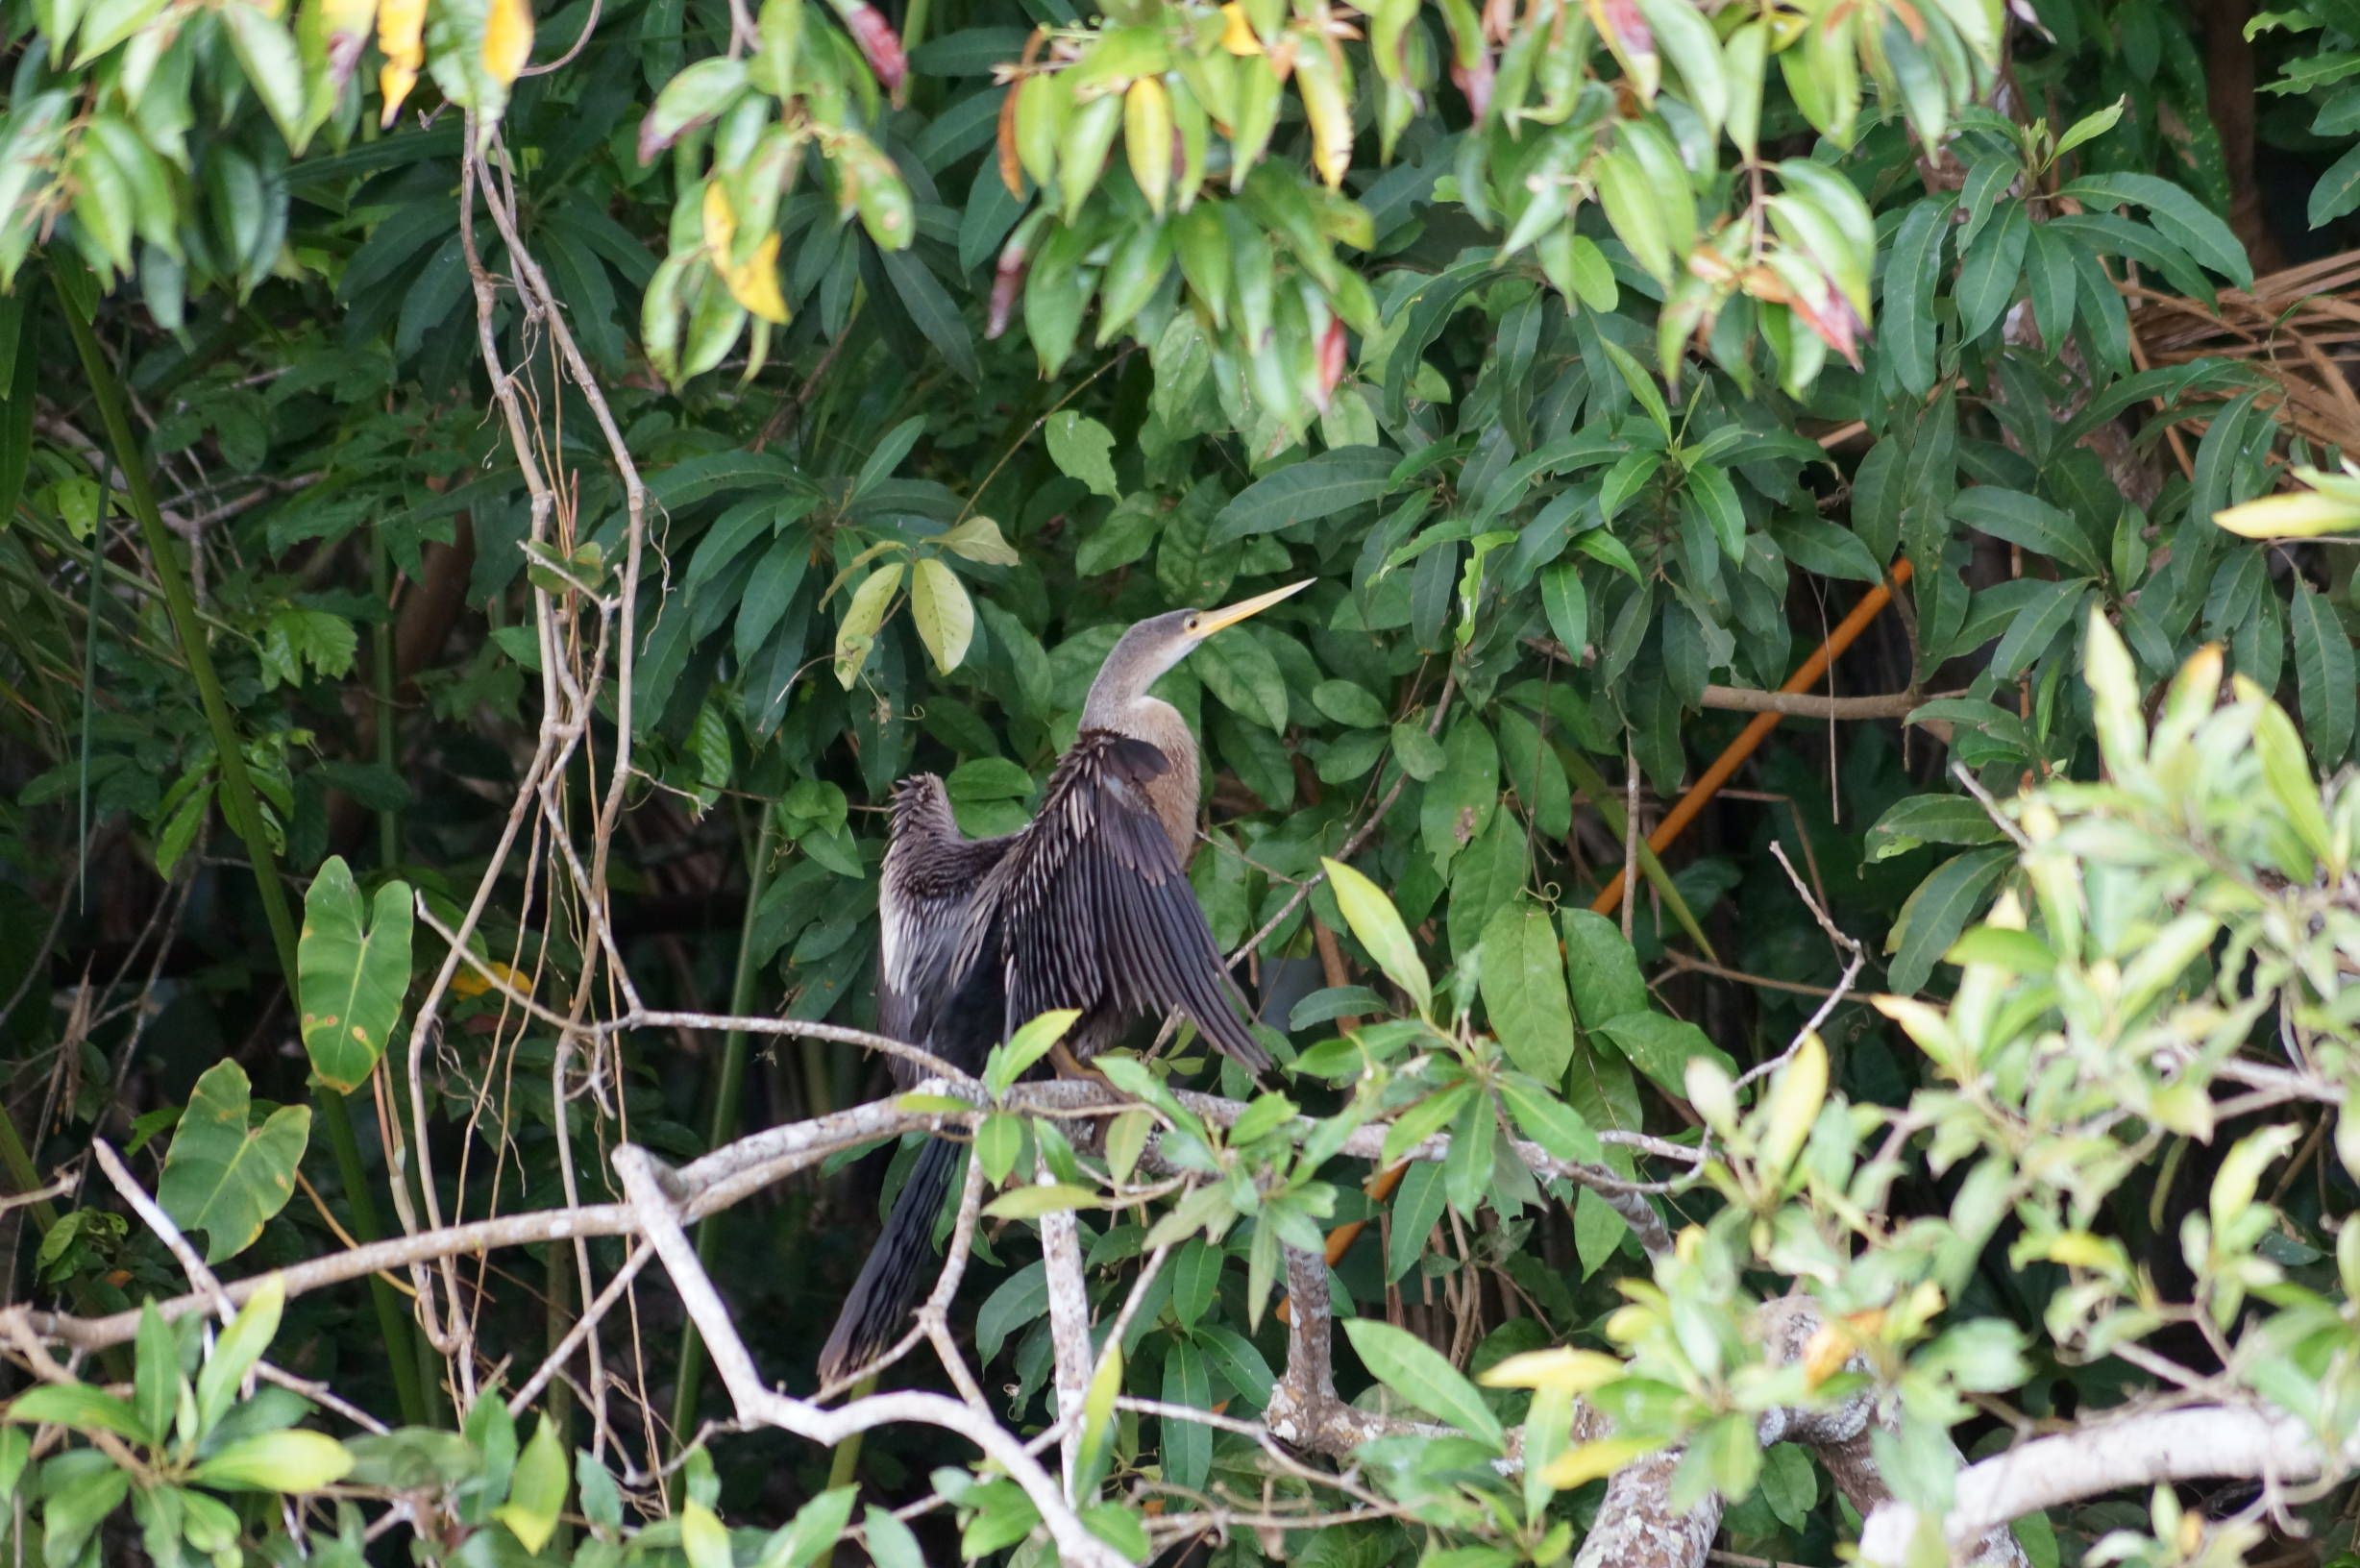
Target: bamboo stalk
238 803
729 1100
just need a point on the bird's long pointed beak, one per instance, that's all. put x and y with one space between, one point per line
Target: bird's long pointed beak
1213 620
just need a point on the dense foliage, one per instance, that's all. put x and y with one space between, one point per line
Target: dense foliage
490 504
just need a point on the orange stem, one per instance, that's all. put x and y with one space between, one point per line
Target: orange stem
1725 766
1846 633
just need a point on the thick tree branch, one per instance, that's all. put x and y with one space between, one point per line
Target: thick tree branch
2137 1451
658 1219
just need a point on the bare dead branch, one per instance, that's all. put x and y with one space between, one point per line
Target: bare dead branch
2158 1446
659 1220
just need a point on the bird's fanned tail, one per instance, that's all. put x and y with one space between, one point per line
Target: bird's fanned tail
876 1311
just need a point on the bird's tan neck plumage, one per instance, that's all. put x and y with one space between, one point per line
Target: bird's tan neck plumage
1174 794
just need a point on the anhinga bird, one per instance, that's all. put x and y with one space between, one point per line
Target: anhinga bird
1088 906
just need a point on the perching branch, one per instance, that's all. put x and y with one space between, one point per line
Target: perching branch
658 1217
2161 1446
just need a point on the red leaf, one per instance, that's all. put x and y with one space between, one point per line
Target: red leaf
879 42
1333 344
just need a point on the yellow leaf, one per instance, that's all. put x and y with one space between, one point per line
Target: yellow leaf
1796 1095
395 79
720 224
2298 515
508 38
755 284
401 31
1236 33
1321 77
1147 138
1573 1371
2079 1249
1578 1467
469 982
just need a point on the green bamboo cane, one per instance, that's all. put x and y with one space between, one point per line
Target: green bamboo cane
728 1097
238 805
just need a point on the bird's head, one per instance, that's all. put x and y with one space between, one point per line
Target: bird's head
1153 646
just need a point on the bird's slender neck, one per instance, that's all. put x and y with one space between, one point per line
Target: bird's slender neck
1159 723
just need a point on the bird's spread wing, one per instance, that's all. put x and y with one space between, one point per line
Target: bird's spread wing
932 913
1096 911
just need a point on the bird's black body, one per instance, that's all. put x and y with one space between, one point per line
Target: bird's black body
1088 906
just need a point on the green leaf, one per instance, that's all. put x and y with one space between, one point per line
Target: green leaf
2324 674
998 1140
276 1461
1243 676
2289 777
1419 1373
1993 263
82 1407
2044 614
1600 968
1348 704
862 619
241 1344
2177 216
1566 605
2027 521
1459 801
1929 819
266 50
1417 1207
1317 488
1032 1202
817 1525
1662 1048
1378 926
351 981
1912 269
704 1540
978 539
1466 1169
1420 754
1188 1445
536 1492
2338 190
692 97
2091 126
1030 1043
158 1382
940 610
1629 200
223 1177
1234 1358
890 1543
1933 916
1523 986
1549 1121
1082 449
934 311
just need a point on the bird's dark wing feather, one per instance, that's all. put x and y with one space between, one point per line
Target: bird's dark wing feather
1096 912
929 910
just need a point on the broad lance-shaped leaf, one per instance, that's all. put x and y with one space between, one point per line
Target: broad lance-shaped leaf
223 1177
862 617
1419 1373
1378 925
939 608
537 1492
351 981
1523 986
